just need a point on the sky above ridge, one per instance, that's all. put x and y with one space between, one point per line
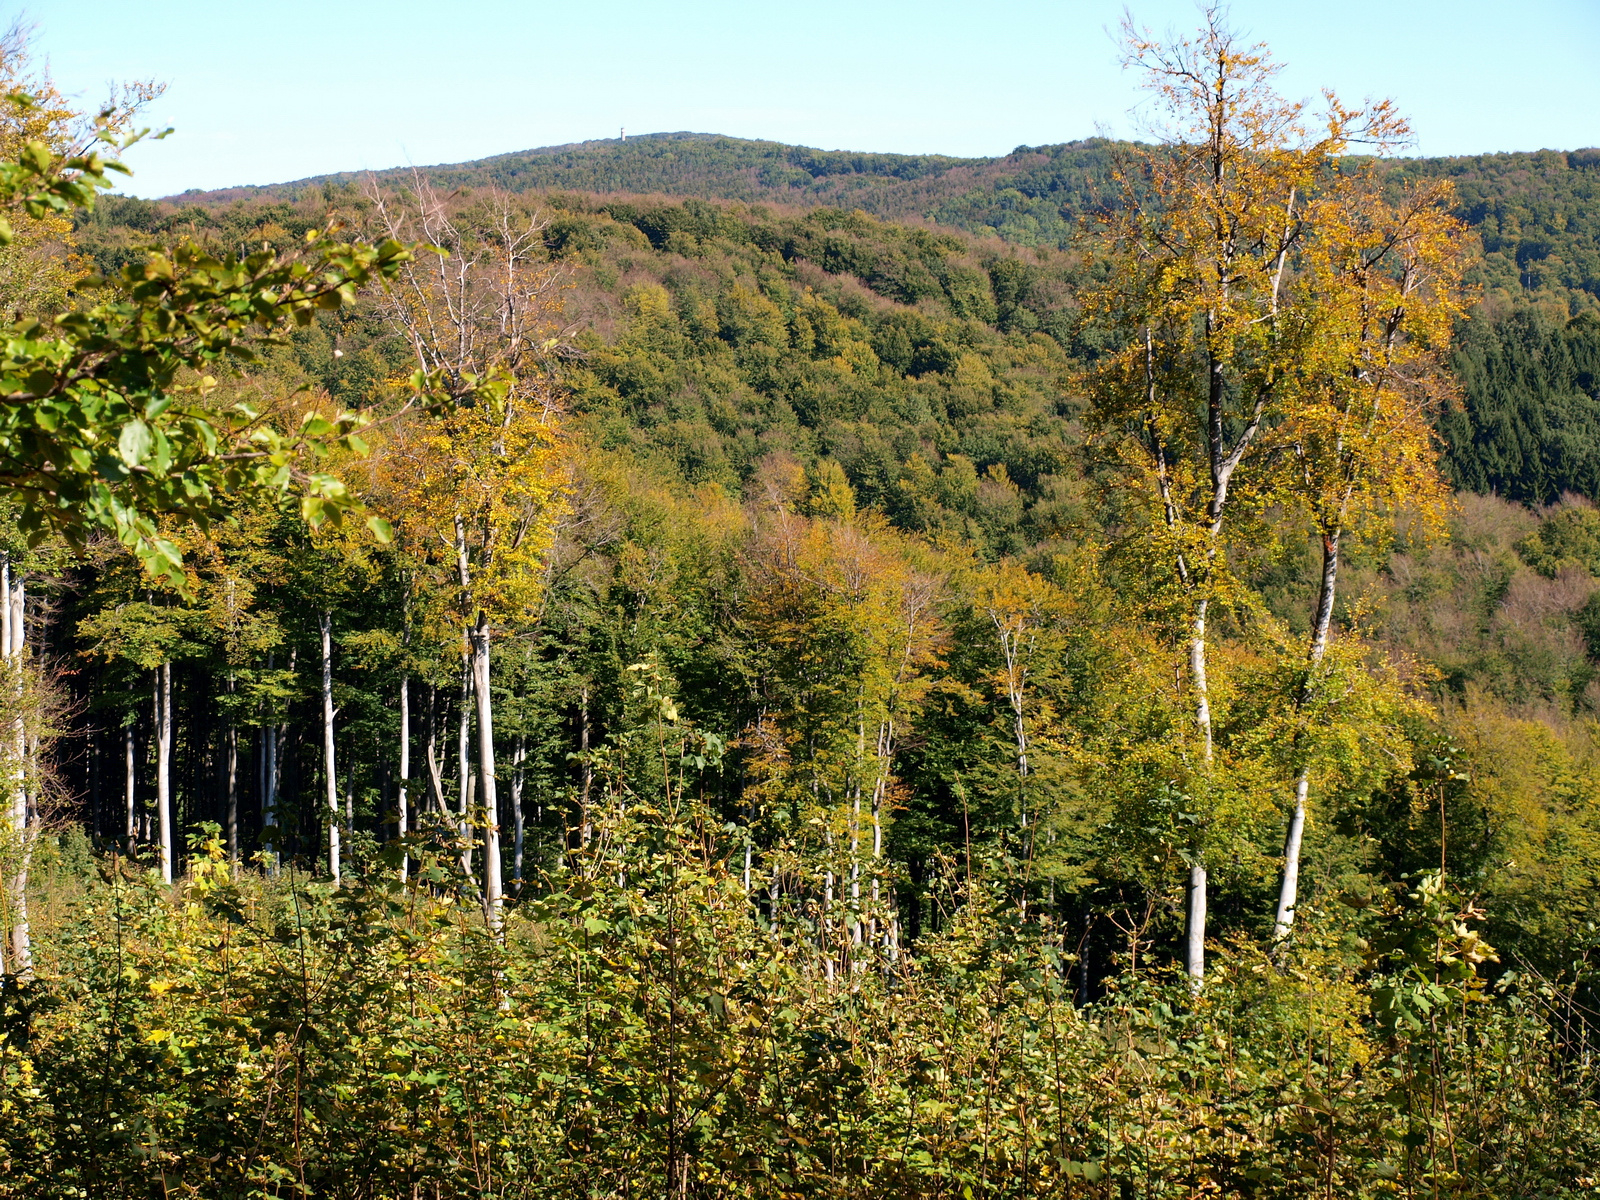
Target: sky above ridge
265 93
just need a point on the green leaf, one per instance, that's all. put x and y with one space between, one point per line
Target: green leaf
134 444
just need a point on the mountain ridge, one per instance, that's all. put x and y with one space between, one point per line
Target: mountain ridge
771 148
1537 213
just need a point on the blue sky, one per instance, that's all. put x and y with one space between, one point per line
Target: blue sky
266 92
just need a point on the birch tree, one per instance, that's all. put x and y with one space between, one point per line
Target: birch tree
1025 616
1202 262
1360 446
330 774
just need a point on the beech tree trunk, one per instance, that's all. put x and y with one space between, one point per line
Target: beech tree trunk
431 750
325 625
1289 890
269 768
584 824
464 759
233 782
269 796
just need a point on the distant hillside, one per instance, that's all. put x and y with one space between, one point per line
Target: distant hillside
1529 359
1538 213
1031 196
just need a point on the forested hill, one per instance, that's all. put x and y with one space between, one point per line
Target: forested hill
1537 213
1529 425
1031 196
620 694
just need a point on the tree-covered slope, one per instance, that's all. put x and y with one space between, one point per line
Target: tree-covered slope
1031 196
932 367
1526 426
1536 213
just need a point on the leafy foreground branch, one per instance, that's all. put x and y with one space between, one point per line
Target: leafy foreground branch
641 1030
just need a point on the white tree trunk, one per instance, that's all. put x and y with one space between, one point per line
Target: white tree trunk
269 785
164 767
585 826
519 758
233 782
130 777
493 883
464 759
403 816
325 625
1202 689
430 747
13 642
1289 889
269 797
1194 946
1195 934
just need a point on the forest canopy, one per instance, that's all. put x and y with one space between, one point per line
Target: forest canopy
700 667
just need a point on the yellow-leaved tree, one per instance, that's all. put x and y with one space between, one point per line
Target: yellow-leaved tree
1358 444
1224 295
477 487
850 634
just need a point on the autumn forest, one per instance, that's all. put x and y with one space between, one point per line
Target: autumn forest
698 667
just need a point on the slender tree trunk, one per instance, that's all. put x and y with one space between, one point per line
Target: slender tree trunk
97 818
269 788
233 780
1202 689
589 770
1016 682
464 758
13 642
164 767
130 777
885 748
855 822
325 626
584 824
431 749
269 795
1194 946
1289 890
493 884
519 759
749 843
403 816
